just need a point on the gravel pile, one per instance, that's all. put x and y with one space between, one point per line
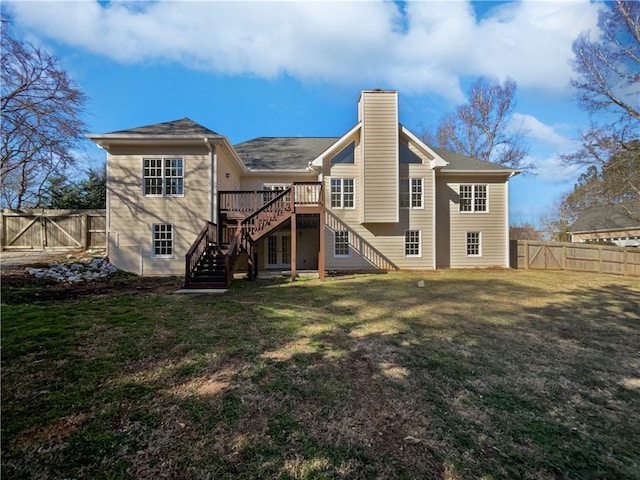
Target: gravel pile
77 272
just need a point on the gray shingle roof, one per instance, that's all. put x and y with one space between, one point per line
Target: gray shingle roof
291 153
608 217
282 153
184 126
459 162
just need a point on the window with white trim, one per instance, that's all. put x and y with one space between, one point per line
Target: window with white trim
162 240
343 193
411 193
412 243
474 244
163 177
341 243
473 198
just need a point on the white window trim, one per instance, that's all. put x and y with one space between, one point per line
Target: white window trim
342 255
342 207
473 198
153 241
410 181
466 244
163 177
419 254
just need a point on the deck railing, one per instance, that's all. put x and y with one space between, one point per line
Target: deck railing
308 193
244 203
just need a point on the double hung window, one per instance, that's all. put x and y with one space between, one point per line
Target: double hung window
412 243
473 198
411 193
474 245
162 243
341 243
343 193
163 177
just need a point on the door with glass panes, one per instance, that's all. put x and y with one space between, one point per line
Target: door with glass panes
278 250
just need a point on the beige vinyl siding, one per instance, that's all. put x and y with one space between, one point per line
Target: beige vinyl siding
377 246
256 182
227 165
131 214
381 245
452 225
379 189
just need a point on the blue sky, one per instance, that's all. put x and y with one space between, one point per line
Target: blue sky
248 69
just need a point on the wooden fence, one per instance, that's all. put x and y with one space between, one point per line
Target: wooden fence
581 257
42 229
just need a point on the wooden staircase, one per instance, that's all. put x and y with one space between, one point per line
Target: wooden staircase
210 262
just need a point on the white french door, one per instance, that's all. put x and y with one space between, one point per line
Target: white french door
278 250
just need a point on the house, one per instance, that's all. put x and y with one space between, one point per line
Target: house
183 200
619 224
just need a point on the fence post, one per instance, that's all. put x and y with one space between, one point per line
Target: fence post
600 269
43 230
563 260
3 229
84 229
526 255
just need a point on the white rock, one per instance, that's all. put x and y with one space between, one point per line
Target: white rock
421 283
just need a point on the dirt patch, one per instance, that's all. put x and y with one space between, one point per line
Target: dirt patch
20 287
19 259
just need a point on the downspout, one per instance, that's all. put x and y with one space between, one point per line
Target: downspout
506 198
213 182
107 226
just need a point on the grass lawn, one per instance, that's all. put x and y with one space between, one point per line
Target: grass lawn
480 374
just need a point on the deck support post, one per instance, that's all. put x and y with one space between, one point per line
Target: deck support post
255 262
321 252
294 247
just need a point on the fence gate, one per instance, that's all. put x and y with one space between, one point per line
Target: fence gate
545 257
53 229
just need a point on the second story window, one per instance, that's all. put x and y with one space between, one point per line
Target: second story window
473 198
163 177
343 193
411 193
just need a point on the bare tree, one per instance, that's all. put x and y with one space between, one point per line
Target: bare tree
40 121
608 68
481 128
525 231
608 87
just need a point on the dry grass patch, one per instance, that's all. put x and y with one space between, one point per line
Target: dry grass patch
480 374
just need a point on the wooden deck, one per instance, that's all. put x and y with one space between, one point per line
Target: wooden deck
244 218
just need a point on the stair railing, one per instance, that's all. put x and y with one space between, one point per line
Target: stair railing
260 220
206 238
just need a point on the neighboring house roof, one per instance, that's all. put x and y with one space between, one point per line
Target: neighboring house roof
461 163
607 217
282 153
184 126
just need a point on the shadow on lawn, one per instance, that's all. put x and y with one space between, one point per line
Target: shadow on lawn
361 377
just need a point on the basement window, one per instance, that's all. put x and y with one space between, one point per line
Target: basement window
162 240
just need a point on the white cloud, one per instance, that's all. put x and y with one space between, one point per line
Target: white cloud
358 43
552 169
537 131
